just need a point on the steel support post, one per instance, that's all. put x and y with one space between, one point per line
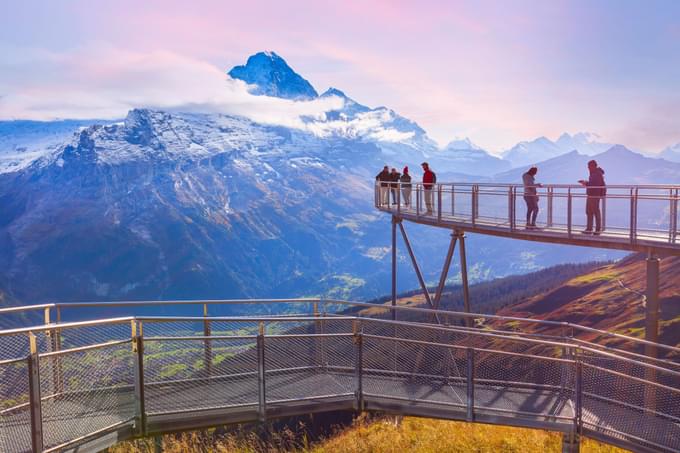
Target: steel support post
54 345
138 351
633 215
674 230
207 343
34 395
261 384
550 207
395 220
464 276
318 359
439 203
445 270
358 365
470 379
603 225
651 325
58 362
511 210
652 304
571 442
569 213
415 266
158 444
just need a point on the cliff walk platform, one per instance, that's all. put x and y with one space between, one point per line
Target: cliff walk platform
85 385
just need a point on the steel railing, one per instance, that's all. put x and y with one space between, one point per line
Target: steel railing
143 371
630 213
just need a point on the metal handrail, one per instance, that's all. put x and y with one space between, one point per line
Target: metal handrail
492 349
620 227
326 302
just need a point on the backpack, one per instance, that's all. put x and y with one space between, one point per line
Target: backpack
434 177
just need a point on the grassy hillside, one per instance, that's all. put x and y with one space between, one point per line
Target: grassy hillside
610 298
381 435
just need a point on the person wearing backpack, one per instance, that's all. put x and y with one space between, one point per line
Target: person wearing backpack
429 180
406 187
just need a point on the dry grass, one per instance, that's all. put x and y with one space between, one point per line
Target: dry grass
381 435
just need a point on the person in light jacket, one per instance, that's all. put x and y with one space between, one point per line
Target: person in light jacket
406 187
531 196
383 186
394 185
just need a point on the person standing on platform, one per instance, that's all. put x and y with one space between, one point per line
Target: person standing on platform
394 185
531 196
383 188
595 190
429 180
406 187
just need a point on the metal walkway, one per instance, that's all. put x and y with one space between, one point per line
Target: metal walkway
85 385
634 218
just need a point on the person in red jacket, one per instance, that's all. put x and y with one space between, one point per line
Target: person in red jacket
429 180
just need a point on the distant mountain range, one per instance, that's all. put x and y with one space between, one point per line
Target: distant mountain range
191 205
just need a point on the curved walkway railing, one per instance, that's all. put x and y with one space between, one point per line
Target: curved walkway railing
634 217
89 384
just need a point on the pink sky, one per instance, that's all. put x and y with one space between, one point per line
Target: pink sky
498 72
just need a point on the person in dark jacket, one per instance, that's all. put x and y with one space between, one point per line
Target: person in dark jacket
406 187
429 180
383 179
531 196
595 190
394 185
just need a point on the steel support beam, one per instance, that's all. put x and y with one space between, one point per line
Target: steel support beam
445 270
652 303
415 265
207 344
464 275
395 220
358 370
261 375
651 325
138 351
34 395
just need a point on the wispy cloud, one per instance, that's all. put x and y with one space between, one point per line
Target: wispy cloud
105 82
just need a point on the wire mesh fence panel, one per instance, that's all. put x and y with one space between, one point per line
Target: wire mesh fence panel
84 391
78 336
527 383
299 367
177 377
413 371
13 346
172 328
629 408
15 418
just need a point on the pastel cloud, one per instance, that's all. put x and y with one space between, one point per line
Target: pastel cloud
499 72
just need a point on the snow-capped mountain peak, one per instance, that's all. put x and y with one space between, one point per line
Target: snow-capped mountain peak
462 143
671 153
271 76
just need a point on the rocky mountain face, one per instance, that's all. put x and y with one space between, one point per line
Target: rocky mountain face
271 76
22 141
